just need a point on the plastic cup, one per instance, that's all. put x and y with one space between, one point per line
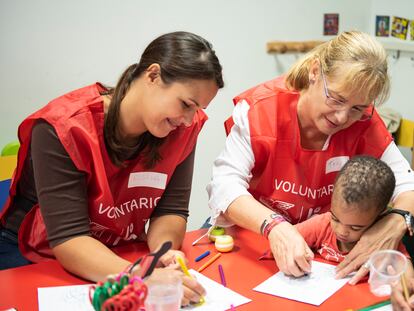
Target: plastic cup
164 292
385 269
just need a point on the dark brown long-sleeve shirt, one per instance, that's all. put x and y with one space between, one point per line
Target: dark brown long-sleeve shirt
51 178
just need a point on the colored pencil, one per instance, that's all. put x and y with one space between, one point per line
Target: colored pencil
205 234
209 262
223 279
205 254
404 287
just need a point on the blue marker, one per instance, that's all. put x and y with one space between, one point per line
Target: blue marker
202 256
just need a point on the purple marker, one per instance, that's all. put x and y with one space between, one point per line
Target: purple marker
223 279
202 256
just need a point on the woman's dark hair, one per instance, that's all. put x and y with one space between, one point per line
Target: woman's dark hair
181 56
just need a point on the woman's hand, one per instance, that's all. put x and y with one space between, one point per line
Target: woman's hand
169 259
384 234
192 290
397 296
293 256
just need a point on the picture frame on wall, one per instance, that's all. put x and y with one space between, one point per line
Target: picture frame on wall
399 28
412 30
382 26
330 24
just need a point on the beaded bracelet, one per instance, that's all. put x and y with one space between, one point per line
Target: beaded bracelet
267 226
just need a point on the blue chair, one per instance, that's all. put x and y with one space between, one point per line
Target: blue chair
4 191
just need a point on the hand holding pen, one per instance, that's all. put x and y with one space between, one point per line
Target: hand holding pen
292 255
193 291
402 296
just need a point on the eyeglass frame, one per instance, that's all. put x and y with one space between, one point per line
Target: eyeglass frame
342 104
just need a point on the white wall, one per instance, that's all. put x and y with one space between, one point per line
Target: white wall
51 47
401 68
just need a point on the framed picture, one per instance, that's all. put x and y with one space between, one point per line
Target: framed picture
412 30
382 26
399 27
330 24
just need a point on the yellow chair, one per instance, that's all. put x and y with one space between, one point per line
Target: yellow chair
7 166
405 136
8 161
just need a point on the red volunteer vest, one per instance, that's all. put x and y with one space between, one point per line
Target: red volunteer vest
120 200
287 178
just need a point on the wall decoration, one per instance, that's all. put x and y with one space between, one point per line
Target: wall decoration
412 30
382 26
330 24
399 27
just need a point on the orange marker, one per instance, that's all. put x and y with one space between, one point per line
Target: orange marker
209 262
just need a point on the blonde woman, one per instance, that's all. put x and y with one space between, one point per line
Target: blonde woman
289 138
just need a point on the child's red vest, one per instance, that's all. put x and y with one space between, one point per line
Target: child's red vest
120 200
287 178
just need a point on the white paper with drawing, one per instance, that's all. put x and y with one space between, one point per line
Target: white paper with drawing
76 297
64 298
218 298
314 288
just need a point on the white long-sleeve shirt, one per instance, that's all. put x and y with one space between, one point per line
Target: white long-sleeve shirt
232 168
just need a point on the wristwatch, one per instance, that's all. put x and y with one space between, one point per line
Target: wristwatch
408 217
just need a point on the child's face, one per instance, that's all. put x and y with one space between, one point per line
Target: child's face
350 221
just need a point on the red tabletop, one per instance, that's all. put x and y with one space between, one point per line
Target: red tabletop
243 271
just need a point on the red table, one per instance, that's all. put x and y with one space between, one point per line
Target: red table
18 286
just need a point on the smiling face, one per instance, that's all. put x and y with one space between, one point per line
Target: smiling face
151 105
329 106
350 221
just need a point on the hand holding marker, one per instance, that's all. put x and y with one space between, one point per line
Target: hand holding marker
183 266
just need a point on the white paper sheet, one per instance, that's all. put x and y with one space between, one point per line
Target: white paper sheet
384 308
64 298
69 298
314 288
218 298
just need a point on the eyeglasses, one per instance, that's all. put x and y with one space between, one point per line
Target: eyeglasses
355 113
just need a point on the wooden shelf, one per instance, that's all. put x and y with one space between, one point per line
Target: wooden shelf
403 46
282 47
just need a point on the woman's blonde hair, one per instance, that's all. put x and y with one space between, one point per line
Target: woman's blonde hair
359 58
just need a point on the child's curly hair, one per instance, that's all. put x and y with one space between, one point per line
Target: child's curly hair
364 178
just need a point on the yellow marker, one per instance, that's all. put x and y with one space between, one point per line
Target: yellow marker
187 273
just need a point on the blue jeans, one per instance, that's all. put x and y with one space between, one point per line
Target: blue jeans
206 224
10 256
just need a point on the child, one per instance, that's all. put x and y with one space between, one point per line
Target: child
362 191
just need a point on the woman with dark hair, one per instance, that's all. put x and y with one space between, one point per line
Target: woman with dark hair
95 165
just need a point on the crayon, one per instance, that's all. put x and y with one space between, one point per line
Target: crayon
222 278
209 262
205 254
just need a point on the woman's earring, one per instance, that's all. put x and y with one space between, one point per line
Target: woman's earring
311 81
